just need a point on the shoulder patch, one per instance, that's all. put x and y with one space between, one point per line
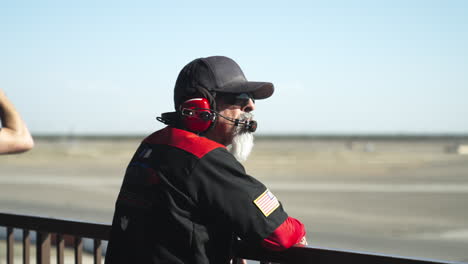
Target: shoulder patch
267 203
145 153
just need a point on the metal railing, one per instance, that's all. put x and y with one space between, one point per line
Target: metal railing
46 228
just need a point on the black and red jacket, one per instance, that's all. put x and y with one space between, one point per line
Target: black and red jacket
186 199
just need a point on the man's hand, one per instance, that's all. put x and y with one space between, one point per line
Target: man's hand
302 243
14 135
238 261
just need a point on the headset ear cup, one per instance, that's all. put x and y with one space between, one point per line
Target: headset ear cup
196 114
206 116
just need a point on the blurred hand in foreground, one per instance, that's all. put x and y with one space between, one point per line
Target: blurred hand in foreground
14 135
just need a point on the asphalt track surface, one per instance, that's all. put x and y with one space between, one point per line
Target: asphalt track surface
407 198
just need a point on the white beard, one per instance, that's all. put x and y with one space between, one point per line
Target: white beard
243 140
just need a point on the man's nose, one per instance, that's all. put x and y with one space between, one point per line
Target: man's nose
249 107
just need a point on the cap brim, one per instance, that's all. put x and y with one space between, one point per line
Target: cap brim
259 90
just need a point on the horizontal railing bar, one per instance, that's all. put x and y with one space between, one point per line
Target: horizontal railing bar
52 225
316 255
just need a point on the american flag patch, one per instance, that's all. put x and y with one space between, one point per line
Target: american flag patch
266 202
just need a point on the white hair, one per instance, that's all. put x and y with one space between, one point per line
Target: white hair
243 140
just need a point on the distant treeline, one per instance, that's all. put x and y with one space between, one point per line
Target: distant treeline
344 137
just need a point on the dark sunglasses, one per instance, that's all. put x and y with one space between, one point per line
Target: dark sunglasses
240 99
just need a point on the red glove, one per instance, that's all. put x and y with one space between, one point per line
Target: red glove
288 234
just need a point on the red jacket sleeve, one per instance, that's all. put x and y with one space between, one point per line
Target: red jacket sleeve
289 233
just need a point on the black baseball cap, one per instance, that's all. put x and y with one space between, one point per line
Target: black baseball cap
216 74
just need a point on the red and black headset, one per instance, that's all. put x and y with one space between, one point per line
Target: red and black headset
196 114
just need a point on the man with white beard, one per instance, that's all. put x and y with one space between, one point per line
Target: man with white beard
185 197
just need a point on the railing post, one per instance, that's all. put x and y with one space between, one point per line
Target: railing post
97 251
78 249
42 248
10 245
26 246
60 247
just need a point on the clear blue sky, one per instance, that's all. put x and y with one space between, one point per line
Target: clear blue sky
338 66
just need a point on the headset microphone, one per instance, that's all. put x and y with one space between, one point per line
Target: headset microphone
251 125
